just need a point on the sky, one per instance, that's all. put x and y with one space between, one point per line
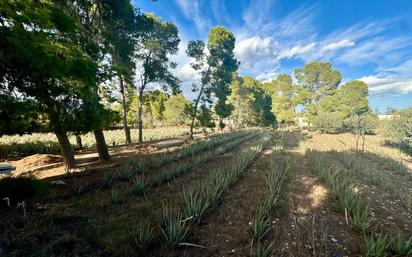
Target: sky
368 40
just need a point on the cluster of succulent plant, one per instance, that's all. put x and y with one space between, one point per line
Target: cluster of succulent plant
275 178
176 170
198 200
389 163
80 187
347 200
203 197
355 167
342 189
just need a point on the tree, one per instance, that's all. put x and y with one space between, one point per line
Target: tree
252 106
216 66
176 110
316 80
205 118
283 94
41 60
120 23
222 63
361 124
399 129
242 98
159 41
350 99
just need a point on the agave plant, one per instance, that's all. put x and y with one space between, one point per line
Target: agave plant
144 237
374 246
174 228
117 197
139 186
80 187
107 179
125 172
401 246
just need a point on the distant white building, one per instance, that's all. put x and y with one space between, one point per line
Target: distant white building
387 116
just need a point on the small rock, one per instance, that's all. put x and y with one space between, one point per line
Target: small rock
58 182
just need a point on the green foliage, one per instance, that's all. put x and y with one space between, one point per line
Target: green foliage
125 172
401 246
328 122
145 236
260 250
251 104
194 205
173 227
374 246
107 179
139 166
139 186
316 80
80 187
283 93
259 223
117 197
399 128
176 111
342 190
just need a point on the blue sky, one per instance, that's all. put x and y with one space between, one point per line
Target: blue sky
369 40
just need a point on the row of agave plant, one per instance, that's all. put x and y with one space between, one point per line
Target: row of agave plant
276 177
134 170
347 200
197 201
191 150
141 185
356 167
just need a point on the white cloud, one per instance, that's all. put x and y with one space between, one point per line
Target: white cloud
183 70
375 50
394 80
192 10
254 49
297 50
266 76
338 45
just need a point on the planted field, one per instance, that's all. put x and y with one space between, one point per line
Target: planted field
245 193
46 143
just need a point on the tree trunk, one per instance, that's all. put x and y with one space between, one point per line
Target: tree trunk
139 117
192 124
124 110
66 150
79 145
101 146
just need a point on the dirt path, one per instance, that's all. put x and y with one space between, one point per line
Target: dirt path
311 227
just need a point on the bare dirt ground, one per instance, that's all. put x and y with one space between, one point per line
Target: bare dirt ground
46 165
